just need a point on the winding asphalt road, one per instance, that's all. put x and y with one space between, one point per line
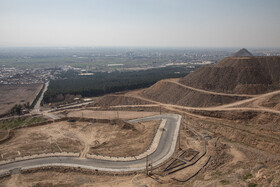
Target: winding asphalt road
163 152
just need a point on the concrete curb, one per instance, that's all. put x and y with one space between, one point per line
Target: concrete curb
137 166
151 149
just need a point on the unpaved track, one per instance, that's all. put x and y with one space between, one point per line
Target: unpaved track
218 108
256 99
175 81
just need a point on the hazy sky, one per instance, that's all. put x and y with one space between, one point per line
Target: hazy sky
182 23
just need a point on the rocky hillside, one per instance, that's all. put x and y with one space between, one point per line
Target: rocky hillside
243 75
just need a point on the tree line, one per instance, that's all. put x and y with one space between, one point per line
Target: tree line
102 82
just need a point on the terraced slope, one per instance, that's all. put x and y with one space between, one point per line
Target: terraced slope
242 75
172 93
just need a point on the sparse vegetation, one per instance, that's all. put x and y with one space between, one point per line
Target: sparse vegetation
252 185
16 110
247 176
13 123
224 182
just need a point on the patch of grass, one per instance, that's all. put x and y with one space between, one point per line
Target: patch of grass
216 173
17 122
224 182
247 176
200 177
252 185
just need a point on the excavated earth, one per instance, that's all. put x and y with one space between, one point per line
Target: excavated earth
114 100
241 145
243 75
171 93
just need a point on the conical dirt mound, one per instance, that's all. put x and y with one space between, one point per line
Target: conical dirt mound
246 75
242 53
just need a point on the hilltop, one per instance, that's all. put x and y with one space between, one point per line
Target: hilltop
243 75
232 79
242 53
226 133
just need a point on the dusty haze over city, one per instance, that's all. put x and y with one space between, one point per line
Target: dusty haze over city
140 93
161 23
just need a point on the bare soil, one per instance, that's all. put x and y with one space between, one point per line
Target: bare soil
114 100
172 93
109 114
252 75
73 179
231 164
17 94
272 102
50 138
121 143
116 138
254 131
3 135
242 143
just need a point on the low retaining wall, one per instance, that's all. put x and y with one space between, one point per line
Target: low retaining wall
66 154
149 151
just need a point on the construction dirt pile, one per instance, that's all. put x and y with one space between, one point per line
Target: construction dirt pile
171 93
243 75
114 100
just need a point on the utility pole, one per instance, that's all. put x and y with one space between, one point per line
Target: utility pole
151 166
147 166
51 143
179 139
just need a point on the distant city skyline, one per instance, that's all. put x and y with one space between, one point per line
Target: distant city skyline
143 23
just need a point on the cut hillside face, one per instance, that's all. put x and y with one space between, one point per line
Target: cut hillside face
171 93
114 100
240 75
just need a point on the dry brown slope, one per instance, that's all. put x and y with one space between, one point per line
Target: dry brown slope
114 100
244 75
171 93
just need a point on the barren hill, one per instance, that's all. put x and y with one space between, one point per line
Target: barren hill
113 100
242 53
172 93
243 75
230 80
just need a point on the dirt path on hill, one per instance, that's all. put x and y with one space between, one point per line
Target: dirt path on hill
175 81
85 151
255 101
216 108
